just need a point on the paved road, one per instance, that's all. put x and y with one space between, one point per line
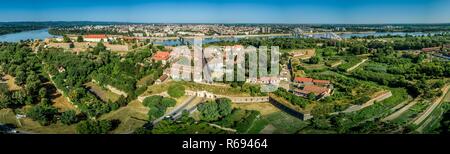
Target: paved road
177 109
432 106
190 110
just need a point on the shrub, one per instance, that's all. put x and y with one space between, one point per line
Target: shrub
176 90
69 117
94 127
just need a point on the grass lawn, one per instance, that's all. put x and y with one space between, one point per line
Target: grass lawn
129 125
377 110
132 116
63 104
11 82
313 66
258 125
412 112
35 127
104 94
144 80
263 108
284 123
447 97
157 88
7 116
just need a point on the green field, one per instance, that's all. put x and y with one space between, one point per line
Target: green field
284 123
103 93
132 116
433 121
31 126
378 110
411 113
257 126
7 116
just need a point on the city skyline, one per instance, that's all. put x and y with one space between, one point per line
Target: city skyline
231 11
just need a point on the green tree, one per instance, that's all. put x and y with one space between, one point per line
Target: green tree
168 102
311 96
69 117
80 39
176 90
43 92
209 111
94 127
66 39
314 60
320 123
44 114
152 100
99 48
224 106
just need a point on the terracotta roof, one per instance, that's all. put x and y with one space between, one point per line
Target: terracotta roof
163 77
315 89
431 49
300 79
161 55
100 36
322 81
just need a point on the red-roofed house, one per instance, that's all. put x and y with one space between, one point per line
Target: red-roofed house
431 49
162 56
316 90
304 86
162 79
95 38
303 80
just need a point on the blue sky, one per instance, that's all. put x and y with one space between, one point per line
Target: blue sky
229 11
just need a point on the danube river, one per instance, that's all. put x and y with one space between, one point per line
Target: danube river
34 34
43 33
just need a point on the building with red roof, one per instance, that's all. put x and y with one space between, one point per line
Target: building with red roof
316 90
303 80
95 38
304 86
162 56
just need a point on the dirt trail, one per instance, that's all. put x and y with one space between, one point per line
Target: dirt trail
357 65
396 114
433 106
